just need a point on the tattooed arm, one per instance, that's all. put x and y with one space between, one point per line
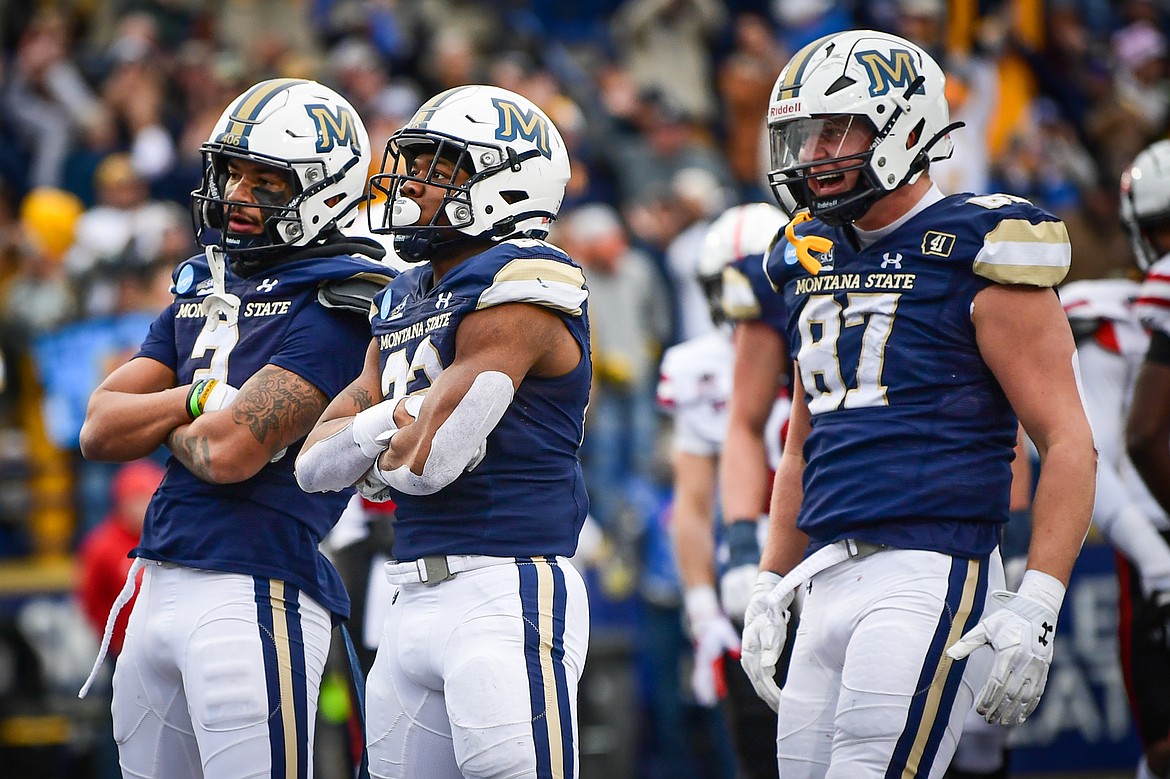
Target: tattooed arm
275 408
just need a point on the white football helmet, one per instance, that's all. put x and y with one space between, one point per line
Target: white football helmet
515 156
874 81
1145 199
297 126
738 232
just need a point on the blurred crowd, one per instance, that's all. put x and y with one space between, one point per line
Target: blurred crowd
103 107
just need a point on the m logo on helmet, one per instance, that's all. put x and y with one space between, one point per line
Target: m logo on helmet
334 129
896 68
517 122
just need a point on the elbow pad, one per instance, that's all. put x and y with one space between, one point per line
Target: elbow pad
458 444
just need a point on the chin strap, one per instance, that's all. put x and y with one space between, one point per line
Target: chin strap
220 306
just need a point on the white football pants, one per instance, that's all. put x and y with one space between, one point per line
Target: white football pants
477 676
218 677
870 691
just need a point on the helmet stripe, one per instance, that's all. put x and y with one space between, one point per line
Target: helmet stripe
247 108
794 73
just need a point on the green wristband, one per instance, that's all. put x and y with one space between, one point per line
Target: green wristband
194 406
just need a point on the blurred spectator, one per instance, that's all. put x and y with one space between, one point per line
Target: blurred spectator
103 561
745 84
630 322
666 44
1140 50
357 70
698 198
803 21
124 229
45 98
38 297
972 94
664 143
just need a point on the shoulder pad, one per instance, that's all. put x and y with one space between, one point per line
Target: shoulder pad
544 281
739 299
1024 245
354 293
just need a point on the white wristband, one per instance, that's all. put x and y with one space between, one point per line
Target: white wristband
1043 588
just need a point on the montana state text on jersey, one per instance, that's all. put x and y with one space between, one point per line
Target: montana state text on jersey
500 508
215 526
911 436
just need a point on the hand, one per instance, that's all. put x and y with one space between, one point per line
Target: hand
372 488
764 635
736 590
209 395
1021 633
743 565
714 637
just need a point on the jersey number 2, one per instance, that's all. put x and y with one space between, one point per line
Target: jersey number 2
399 372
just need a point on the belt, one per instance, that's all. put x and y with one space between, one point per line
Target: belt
825 557
435 569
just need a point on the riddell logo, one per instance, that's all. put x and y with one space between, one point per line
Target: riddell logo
784 109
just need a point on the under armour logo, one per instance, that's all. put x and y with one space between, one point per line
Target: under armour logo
892 260
267 285
808 587
1043 637
444 299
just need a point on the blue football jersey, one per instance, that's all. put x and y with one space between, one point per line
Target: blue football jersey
527 496
912 436
748 294
264 526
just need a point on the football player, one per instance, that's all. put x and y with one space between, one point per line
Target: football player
920 328
220 670
1145 624
469 414
695 387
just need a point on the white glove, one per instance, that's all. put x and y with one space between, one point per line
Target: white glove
714 636
373 427
209 395
371 487
736 588
1021 632
766 628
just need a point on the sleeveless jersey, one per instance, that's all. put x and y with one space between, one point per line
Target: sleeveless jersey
527 496
911 436
263 526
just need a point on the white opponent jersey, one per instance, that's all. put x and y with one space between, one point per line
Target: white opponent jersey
1153 298
694 386
1111 343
